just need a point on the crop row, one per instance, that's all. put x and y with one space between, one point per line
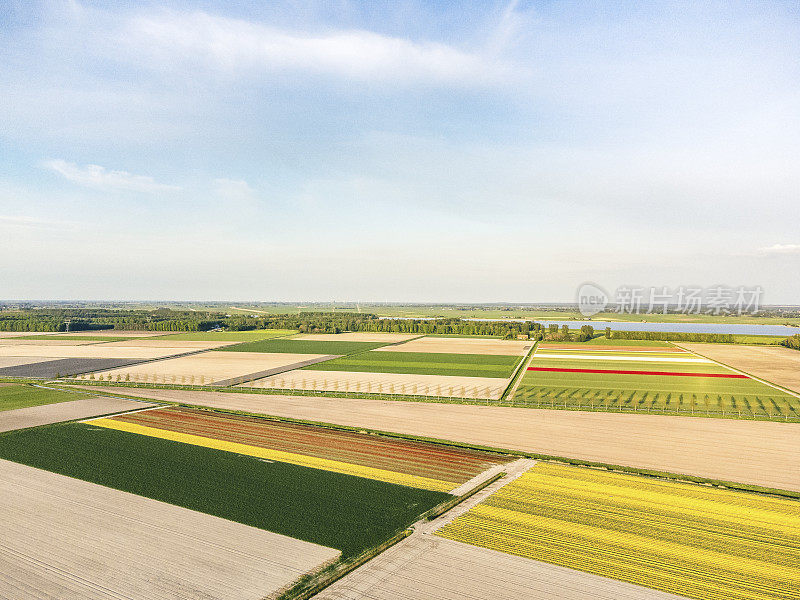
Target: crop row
681 538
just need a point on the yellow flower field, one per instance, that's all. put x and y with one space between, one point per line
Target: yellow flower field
682 538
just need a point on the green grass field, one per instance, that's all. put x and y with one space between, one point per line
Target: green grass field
339 511
227 336
83 338
304 347
423 363
22 396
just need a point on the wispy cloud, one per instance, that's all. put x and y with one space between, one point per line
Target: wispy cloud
234 189
27 222
780 249
236 45
98 177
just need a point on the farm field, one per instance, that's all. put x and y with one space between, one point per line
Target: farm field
334 510
60 337
49 368
777 365
106 351
356 336
226 336
205 368
301 346
14 396
424 363
646 379
26 341
185 345
435 568
410 463
68 539
686 539
450 345
753 452
81 407
476 388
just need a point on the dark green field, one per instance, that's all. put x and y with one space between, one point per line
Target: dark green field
423 363
304 347
23 396
339 511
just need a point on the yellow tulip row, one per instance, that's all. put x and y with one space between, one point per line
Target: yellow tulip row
687 539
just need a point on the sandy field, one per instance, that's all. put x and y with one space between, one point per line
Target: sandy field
92 351
207 367
64 342
385 383
34 416
13 334
74 540
757 452
356 336
14 361
430 568
186 345
772 363
462 346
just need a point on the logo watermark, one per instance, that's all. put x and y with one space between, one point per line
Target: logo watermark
689 300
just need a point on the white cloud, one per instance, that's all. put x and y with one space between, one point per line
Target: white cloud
234 45
780 249
95 176
234 189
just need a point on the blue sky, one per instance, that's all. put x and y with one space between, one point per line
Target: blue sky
406 151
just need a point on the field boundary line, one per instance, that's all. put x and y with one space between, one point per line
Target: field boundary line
751 376
273 371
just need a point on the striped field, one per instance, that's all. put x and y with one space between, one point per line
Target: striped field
681 538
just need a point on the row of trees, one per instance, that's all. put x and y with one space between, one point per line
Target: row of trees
792 342
669 336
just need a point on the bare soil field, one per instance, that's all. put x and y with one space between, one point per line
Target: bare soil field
59 342
94 351
385 383
207 367
16 361
428 568
755 452
462 346
187 345
116 333
771 363
73 540
65 411
64 367
355 336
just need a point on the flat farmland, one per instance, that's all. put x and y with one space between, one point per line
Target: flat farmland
227 336
445 345
755 452
335 510
356 336
435 568
92 351
776 364
424 363
301 346
687 539
415 464
73 540
65 409
384 383
185 345
45 368
643 379
205 368
22 396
